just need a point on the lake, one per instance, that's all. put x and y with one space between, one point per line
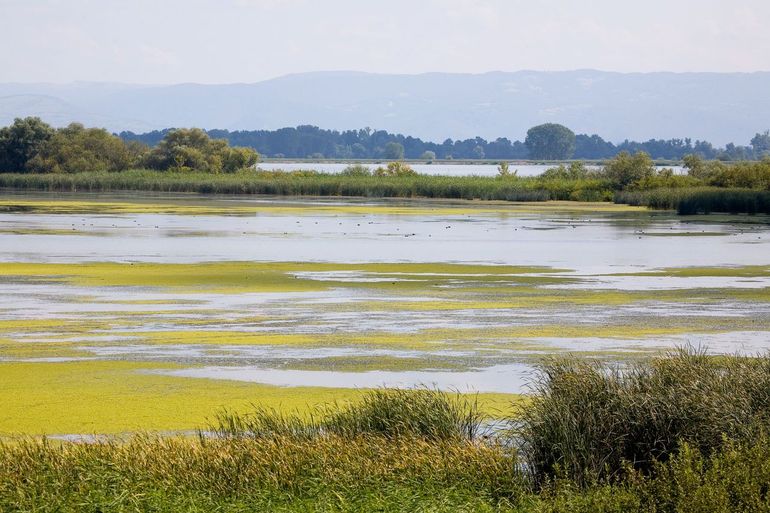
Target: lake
428 169
311 297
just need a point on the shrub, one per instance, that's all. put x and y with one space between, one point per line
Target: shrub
356 170
397 168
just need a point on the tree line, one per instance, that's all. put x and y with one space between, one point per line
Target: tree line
544 142
30 145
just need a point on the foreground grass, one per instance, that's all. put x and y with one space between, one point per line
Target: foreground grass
413 451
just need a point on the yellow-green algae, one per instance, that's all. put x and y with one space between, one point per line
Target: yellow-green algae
745 271
114 397
230 277
198 206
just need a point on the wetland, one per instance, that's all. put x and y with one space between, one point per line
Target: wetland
123 314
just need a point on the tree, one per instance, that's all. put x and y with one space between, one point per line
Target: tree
626 170
393 151
761 144
550 142
428 155
478 152
191 149
75 148
21 141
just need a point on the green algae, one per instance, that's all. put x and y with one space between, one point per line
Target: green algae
115 397
196 206
380 363
229 277
746 271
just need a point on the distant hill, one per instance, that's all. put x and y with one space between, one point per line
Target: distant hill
719 107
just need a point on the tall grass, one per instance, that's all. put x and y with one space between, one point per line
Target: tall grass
587 420
367 473
353 184
391 413
700 200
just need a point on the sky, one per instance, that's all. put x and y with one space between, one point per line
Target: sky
226 41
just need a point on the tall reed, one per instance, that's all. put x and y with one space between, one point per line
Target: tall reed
588 419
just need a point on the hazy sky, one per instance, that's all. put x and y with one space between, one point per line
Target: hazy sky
207 41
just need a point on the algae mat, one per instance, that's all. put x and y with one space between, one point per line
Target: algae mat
120 315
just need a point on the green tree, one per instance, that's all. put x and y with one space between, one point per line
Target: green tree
21 141
428 155
478 152
76 148
191 149
550 142
393 151
626 170
761 144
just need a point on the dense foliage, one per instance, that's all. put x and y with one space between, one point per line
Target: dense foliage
29 145
550 142
310 141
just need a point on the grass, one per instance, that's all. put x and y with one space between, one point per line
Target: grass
317 184
684 433
390 413
700 200
588 421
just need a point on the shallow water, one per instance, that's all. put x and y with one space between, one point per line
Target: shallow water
427 169
605 284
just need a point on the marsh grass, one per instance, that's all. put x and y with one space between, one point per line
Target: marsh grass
391 413
700 200
355 183
278 473
588 420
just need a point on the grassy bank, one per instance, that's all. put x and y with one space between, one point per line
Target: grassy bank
683 433
317 184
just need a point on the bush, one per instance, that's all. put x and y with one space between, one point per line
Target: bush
356 170
395 169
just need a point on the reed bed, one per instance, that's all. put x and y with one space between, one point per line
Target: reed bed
317 184
700 200
390 413
589 421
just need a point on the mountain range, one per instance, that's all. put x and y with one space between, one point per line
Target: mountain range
718 107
